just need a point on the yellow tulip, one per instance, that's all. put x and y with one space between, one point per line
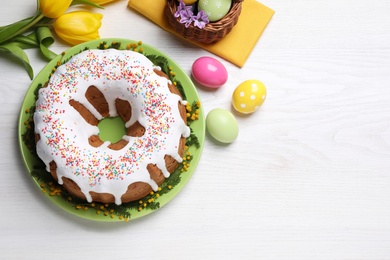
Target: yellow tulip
54 8
77 27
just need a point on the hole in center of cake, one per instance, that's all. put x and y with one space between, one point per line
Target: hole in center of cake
111 129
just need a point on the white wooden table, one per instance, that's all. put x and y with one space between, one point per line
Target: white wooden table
307 178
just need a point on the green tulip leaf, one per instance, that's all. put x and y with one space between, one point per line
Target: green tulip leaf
9 31
20 54
12 30
86 2
45 39
17 24
26 42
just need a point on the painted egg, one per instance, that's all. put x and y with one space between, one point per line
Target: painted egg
249 96
209 72
215 9
222 125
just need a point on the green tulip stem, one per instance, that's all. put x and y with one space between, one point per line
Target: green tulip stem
24 28
43 25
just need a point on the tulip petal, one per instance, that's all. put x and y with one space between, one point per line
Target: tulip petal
54 8
79 26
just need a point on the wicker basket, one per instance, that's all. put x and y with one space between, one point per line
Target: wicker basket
212 32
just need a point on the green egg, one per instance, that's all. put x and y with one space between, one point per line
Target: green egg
222 125
215 9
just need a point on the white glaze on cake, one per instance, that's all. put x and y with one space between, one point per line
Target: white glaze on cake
64 133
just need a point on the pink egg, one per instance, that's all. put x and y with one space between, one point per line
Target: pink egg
209 72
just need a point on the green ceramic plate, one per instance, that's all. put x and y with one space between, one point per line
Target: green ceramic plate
97 211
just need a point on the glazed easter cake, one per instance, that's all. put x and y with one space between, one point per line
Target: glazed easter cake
98 84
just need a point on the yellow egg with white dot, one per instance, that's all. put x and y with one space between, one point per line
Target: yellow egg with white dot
189 2
249 96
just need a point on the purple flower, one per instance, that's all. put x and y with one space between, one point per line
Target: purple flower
182 8
186 17
201 19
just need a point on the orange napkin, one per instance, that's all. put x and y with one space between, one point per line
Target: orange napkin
234 47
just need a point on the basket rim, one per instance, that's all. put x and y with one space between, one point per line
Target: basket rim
211 26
